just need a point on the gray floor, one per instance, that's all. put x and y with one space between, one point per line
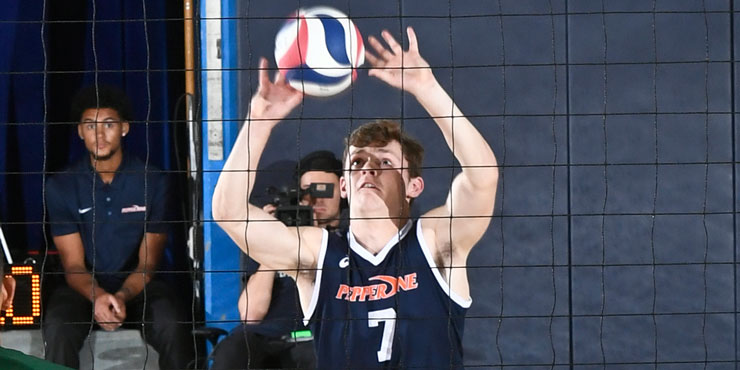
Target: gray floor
122 349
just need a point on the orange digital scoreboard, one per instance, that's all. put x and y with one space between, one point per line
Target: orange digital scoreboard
26 307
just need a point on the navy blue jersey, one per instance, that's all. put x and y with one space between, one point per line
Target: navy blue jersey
385 311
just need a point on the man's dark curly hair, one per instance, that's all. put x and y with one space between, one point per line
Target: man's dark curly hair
101 96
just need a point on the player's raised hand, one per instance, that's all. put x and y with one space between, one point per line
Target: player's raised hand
405 70
273 100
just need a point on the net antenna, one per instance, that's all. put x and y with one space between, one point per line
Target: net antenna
8 257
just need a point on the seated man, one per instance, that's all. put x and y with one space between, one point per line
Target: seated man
108 214
9 358
274 333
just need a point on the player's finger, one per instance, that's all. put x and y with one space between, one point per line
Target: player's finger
264 76
378 47
391 41
279 78
372 59
121 315
116 306
413 43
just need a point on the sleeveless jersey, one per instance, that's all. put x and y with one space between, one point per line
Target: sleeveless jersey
393 310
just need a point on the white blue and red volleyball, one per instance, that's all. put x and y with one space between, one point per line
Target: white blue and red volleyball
318 50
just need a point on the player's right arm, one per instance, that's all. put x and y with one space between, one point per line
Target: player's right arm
257 233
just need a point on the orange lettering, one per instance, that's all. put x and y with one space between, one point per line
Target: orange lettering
356 292
381 294
343 289
408 282
390 280
374 292
367 291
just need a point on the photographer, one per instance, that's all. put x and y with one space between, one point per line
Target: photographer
273 334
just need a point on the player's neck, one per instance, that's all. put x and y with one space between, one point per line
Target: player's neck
374 233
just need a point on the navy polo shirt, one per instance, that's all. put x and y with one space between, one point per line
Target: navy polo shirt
110 218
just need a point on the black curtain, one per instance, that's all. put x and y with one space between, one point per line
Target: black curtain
50 50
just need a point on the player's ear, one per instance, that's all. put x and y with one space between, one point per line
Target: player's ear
342 187
8 292
79 131
124 128
414 187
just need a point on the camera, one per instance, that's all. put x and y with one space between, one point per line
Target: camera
288 202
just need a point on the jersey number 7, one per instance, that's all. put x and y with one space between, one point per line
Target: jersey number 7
388 316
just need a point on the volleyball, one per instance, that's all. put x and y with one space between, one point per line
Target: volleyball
318 50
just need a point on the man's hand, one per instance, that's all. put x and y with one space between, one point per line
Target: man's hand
270 209
110 311
405 70
273 100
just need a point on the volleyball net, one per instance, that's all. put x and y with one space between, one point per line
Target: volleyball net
613 240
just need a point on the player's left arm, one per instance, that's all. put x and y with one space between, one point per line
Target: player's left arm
473 192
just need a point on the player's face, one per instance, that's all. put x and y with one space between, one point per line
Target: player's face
376 181
102 129
325 210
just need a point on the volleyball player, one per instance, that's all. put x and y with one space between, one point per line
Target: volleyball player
391 292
